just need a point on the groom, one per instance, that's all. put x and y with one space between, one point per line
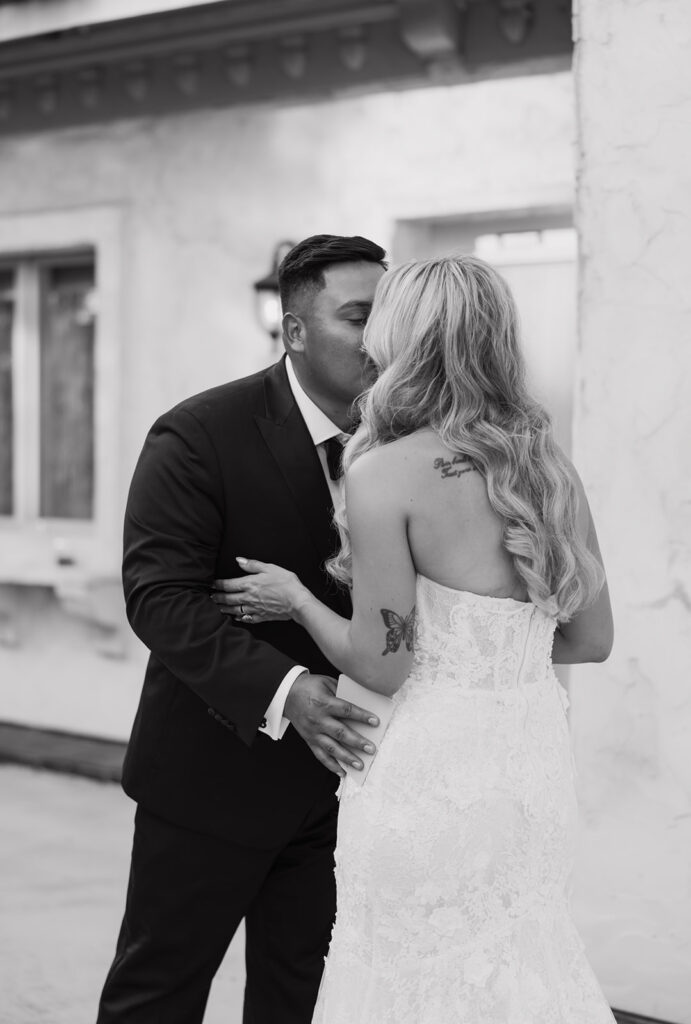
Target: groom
236 813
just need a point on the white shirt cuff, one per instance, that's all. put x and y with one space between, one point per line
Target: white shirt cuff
274 724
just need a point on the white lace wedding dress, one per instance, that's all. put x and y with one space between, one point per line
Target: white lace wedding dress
453 859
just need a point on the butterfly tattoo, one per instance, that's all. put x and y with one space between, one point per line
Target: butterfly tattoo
398 630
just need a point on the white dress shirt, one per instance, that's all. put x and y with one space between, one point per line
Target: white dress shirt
321 429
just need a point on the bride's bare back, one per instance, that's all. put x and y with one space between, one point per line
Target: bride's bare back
455 536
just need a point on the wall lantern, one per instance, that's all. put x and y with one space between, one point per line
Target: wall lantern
268 304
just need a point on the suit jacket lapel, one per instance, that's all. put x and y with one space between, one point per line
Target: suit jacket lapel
291 445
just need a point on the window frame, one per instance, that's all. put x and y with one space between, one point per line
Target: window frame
34 549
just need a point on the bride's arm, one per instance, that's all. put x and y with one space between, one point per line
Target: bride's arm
590 633
376 646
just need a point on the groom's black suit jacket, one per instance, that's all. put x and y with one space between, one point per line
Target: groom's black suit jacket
232 471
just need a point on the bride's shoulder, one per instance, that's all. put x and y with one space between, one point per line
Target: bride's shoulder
415 474
395 465
393 451
380 467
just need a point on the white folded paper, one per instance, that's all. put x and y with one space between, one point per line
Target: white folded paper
378 705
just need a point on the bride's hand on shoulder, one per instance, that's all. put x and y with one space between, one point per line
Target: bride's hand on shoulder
266 593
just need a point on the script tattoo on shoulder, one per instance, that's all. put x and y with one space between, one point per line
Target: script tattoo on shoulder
398 630
456 466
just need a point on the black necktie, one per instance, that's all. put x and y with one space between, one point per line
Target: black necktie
334 453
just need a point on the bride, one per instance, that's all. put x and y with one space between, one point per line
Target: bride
474 565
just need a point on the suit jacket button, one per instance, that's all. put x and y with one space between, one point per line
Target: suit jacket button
263 725
210 711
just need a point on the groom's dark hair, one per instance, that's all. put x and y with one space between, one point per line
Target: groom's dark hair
302 269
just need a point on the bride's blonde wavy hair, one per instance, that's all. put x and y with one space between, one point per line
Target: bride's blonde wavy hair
444 335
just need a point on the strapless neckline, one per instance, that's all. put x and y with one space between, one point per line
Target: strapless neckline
469 595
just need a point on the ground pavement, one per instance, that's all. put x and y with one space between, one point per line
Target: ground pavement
64 856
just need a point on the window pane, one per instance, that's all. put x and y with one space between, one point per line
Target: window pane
6 403
67 391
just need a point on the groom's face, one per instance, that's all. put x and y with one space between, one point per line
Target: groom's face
332 362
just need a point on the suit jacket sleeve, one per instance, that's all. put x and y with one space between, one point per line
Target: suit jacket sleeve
173 528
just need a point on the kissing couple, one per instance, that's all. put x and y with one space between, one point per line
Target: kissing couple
445 562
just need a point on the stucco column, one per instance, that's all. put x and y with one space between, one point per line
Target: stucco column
631 718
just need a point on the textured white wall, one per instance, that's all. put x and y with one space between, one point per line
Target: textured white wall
632 717
204 197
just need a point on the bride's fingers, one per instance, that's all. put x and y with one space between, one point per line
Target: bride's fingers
233 585
252 564
237 613
230 600
245 616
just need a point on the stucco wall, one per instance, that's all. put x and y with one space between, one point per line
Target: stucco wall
631 717
202 200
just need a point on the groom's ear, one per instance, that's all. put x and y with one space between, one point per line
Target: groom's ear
293 332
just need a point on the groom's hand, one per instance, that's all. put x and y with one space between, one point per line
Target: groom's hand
322 719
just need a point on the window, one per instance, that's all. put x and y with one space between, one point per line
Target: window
47 328
61 341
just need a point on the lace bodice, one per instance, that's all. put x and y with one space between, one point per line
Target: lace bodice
480 643
453 858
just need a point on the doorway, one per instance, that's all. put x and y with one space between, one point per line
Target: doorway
538 256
